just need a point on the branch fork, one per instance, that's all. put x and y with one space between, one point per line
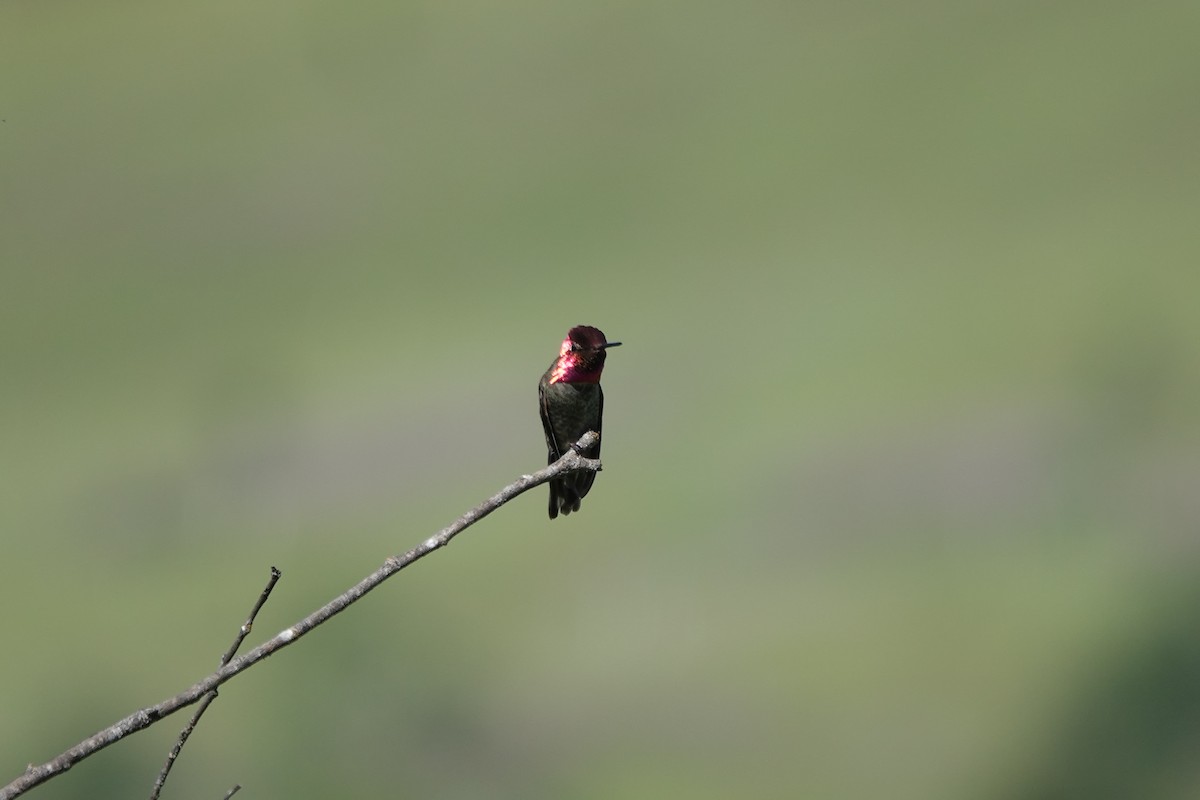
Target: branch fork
36 774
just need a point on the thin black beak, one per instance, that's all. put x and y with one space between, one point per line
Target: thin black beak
610 344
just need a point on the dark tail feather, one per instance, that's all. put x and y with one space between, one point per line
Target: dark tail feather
583 483
564 497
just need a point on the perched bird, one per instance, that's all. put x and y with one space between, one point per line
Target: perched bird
571 404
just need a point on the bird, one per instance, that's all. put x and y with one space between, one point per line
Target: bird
571 403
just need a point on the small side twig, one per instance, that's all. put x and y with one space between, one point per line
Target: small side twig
36 774
242 633
237 787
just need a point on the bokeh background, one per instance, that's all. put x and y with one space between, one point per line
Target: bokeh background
901 451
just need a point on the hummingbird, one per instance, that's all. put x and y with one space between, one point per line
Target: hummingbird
571 404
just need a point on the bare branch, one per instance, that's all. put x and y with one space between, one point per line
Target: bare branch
242 633
35 774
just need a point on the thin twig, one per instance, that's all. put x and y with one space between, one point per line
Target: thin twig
242 633
34 774
237 787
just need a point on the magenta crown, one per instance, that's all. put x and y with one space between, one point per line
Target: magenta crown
588 338
581 357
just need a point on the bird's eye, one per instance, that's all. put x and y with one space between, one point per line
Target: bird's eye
576 347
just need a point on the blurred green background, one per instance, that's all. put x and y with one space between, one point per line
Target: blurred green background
901 451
